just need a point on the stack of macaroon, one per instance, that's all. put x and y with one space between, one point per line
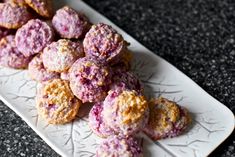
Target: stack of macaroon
74 63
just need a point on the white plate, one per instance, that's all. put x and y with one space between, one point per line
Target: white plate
212 121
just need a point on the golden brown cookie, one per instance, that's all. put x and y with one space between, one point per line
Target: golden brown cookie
56 102
19 2
167 119
125 62
125 111
42 7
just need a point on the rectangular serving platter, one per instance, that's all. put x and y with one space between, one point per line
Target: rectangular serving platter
212 121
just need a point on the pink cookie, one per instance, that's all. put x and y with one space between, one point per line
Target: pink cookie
89 80
119 146
96 122
104 43
59 56
125 80
167 119
69 23
38 72
13 16
10 56
33 37
126 112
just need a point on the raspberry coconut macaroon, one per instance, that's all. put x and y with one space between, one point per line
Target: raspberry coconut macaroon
42 7
13 16
125 111
69 23
119 146
59 56
19 2
10 56
122 80
33 37
56 103
89 80
103 43
96 121
38 72
124 63
167 119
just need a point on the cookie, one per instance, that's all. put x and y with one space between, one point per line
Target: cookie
97 123
19 2
122 79
42 7
69 23
10 56
167 119
126 112
13 16
59 56
103 43
56 103
119 146
38 72
33 37
124 63
89 80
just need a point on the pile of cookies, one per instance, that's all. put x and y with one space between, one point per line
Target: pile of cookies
75 63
